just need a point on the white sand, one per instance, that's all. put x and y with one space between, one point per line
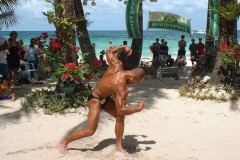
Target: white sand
169 128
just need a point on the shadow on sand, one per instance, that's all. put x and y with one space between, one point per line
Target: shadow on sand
130 144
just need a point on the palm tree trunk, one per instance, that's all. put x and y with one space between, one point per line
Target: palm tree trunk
137 42
209 45
69 13
227 33
87 49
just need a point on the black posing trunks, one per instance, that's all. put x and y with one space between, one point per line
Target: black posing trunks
102 101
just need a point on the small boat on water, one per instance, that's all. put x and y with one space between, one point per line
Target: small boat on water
200 31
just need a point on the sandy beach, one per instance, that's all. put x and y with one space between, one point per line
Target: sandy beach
169 128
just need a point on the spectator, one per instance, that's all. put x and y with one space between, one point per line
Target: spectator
156 48
21 49
30 57
5 90
170 61
13 58
200 47
125 43
164 50
110 45
182 44
3 61
102 60
193 47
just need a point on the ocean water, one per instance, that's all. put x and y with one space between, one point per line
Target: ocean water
102 38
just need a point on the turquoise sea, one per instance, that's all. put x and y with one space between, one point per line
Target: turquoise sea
102 38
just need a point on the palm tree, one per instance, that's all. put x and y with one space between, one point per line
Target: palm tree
7 16
82 33
227 33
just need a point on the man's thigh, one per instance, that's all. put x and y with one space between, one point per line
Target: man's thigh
109 107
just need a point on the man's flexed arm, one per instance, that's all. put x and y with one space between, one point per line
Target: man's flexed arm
123 110
111 54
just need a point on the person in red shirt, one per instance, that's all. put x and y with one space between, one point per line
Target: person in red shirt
200 47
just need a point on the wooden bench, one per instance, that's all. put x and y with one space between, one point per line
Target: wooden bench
168 72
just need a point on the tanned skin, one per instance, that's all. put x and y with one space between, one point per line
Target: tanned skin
114 81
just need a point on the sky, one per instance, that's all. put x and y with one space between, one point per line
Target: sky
110 14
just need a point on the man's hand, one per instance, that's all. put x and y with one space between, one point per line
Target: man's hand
140 105
128 50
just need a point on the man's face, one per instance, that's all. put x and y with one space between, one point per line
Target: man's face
32 42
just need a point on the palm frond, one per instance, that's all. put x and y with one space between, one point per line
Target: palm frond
8 4
230 12
8 19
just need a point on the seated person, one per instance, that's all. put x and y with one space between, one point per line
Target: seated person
170 61
156 63
181 61
30 57
5 90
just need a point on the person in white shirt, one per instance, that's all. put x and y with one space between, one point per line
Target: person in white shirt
30 57
3 61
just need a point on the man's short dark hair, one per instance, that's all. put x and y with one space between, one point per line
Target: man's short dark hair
139 72
124 42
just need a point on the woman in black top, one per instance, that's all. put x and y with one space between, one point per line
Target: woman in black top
13 58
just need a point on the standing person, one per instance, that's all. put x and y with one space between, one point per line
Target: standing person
21 51
164 49
3 61
30 57
114 81
156 48
193 47
110 45
182 45
162 42
200 47
13 58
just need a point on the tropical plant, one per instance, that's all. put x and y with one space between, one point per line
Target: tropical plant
229 54
7 16
55 53
228 34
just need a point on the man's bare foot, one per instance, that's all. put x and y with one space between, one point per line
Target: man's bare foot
120 149
62 147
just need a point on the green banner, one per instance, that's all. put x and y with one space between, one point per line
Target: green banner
163 20
132 19
214 17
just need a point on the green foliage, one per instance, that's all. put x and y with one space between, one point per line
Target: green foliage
51 102
198 90
230 12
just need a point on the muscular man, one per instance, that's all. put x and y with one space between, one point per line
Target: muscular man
114 81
